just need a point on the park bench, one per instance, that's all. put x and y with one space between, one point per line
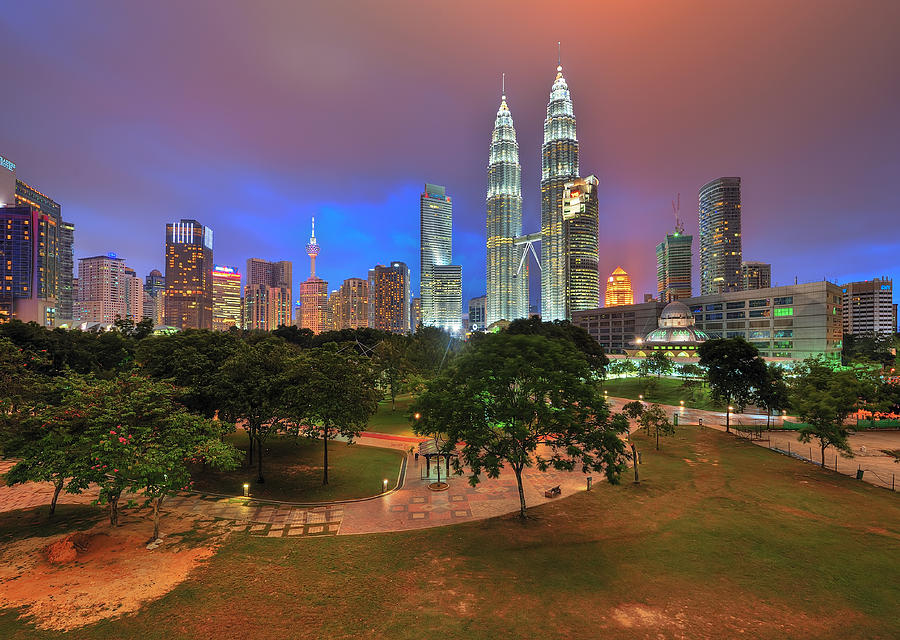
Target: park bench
552 493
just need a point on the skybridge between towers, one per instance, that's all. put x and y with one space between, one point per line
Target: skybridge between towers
528 242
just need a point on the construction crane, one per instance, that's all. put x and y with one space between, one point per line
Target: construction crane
676 209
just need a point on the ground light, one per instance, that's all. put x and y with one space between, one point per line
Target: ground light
384 485
246 490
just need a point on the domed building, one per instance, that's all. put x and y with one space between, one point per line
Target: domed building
676 335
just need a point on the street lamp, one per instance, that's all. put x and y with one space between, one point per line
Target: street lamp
682 404
641 396
246 490
384 486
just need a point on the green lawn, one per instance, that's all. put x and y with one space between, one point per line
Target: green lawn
393 421
662 390
722 539
293 468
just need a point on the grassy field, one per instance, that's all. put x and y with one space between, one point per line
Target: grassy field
293 467
721 539
665 391
393 421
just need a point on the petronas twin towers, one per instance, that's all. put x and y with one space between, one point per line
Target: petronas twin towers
569 219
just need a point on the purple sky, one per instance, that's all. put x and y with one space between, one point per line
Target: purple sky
254 116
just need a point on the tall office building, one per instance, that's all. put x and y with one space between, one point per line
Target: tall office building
447 297
581 231
507 292
189 265
559 165
618 289
103 290
226 298
65 298
868 307
478 313
134 295
154 300
720 236
313 291
756 275
269 289
436 218
389 294
673 266
352 309
36 253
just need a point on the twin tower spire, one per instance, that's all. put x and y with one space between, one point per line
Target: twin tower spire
507 268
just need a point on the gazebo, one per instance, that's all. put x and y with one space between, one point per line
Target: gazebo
428 449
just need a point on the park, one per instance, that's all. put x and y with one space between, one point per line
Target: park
251 500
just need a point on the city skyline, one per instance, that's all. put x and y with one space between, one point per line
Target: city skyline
130 171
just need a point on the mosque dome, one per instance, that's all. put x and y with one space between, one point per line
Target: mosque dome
676 329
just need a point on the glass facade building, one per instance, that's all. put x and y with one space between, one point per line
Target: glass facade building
673 266
227 298
189 265
389 296
720 236
507 291
559 165
581 227
618 289
436 246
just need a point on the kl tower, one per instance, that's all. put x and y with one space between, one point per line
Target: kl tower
313 291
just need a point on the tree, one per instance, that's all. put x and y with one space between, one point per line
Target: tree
654 421
511 394
868 348
251 388
823 399
566 331
621 367
659 363
773 394
331 394
393 364
734 369
633 409
51 444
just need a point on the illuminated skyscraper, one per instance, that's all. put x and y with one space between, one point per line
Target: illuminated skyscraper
389 296
436 246
559 165
189 265
226 298
581 230
507 293
720 236
353 304
270 297
134 296
447 297
66 290
477 314
756 275
618 289
313 291
102 294
673 266
415 314
155 290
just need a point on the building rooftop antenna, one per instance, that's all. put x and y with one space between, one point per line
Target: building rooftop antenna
559 55
676 209
503 86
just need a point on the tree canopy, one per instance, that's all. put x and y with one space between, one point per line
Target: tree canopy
734 369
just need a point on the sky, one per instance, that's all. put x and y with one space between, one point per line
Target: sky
253 117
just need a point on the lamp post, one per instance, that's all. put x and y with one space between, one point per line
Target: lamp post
384 484
246 490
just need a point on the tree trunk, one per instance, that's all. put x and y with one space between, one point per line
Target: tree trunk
518 471
634 464
157 503
259 473
823 454
727 420
251 434
325 470
657 438
768 418
56 490
114 510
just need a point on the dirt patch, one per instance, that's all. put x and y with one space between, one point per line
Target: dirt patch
72 580
639 615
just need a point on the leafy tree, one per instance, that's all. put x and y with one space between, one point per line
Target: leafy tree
431 349
659 363
252 383
633 409
823 399
868 348
690 385
333 394
302 338
654 421
391 361
51 444
734 369
511 394
190 360
568 332
621 367
773 394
